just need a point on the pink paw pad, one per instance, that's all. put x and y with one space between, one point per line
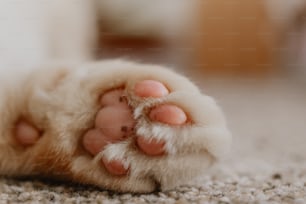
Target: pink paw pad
26 134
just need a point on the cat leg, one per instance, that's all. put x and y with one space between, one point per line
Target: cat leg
124 126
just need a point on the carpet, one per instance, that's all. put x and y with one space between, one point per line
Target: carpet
267 164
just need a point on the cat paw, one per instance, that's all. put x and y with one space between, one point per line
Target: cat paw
115 123
126 127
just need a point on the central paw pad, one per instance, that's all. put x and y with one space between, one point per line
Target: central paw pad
114 123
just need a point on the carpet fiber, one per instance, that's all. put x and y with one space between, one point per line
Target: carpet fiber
267 163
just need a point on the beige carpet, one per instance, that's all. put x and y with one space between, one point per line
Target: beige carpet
267 164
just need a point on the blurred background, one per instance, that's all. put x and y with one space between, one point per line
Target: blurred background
211 37
249 55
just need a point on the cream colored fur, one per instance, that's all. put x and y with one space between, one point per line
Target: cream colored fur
61 99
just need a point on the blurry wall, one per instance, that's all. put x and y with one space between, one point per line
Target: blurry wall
234 38
289 18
